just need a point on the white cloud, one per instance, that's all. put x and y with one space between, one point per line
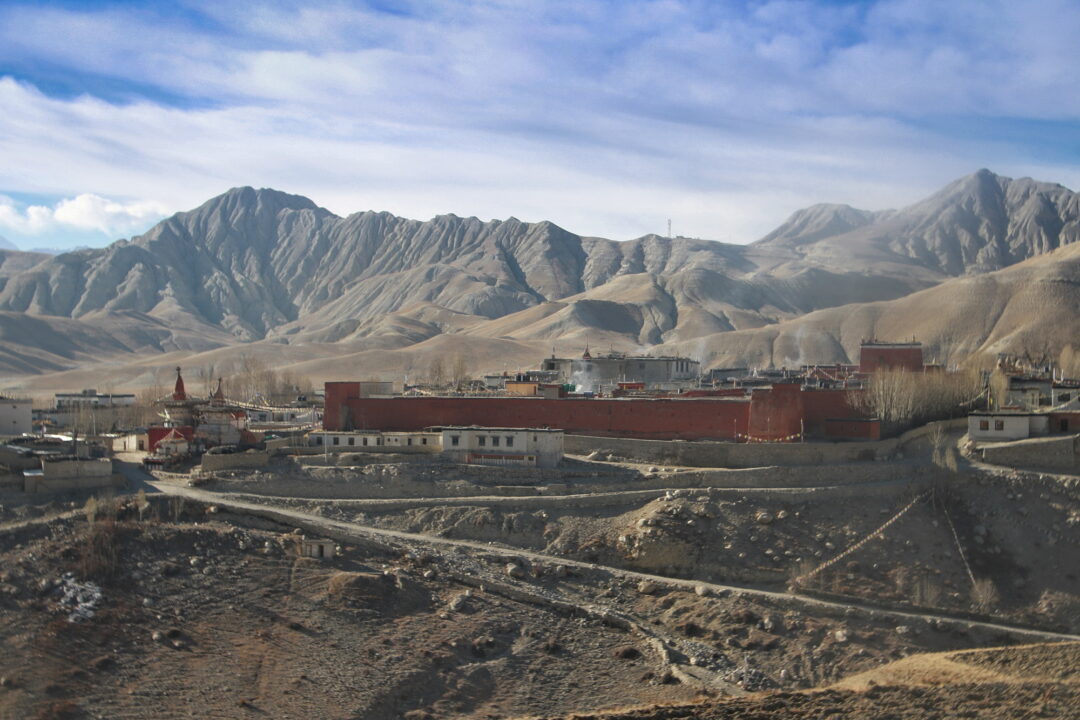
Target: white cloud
84 212
604 117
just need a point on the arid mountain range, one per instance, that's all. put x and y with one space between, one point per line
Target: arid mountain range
986 264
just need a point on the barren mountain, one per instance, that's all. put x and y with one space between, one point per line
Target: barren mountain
1030 307
269 269
978 223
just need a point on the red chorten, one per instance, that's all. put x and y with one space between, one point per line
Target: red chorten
179 394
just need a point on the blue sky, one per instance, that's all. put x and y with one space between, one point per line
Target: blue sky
604 117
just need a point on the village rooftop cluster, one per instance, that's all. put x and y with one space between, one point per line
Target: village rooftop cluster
521 419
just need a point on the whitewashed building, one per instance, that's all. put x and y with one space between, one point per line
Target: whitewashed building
16 416
375 441
1001 426
536 447
92 398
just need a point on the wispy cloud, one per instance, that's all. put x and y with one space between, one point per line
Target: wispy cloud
606 117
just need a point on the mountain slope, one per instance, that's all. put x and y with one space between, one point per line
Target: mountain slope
1030 307
978 223
266 267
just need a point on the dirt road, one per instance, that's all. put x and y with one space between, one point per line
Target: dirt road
355 532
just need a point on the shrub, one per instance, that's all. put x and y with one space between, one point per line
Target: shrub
984 595
98 555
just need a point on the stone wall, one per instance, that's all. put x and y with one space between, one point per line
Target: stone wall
750 455
61 476
235 461
1061 454
632 498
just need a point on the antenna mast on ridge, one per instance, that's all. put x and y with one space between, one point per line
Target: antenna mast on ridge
669 227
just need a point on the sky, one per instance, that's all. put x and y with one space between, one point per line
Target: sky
605 117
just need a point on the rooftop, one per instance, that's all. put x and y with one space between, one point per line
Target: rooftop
496 429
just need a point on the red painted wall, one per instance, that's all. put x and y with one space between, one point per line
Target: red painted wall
1071 419
853 429
873 358
772 414
337 395
776 412
822 405
639 418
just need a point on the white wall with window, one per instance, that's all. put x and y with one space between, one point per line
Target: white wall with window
1006 426
16 416
539 447
375 441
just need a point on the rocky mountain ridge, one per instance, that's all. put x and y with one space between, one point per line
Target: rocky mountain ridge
266 267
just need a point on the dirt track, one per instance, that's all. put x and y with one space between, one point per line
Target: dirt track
333 528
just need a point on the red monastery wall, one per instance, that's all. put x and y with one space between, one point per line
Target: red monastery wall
778 413
872 358
648 419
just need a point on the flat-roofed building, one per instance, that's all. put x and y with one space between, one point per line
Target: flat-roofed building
875 356
1000 426
376 441
92 398
590 372
16 416
536 447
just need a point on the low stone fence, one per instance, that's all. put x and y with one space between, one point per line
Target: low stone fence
235 461
1061 454
65 475
751 455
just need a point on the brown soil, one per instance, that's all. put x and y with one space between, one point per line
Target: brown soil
999 700
1035 681
246 628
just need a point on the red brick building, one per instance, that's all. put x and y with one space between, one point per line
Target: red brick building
874 356
781 413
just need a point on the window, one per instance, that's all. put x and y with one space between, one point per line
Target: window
423 441
378 441
454 439
337 440
365 442
410 441
999 424
352 441
509 441
1064 397
481 440
494 441
984 424
318 440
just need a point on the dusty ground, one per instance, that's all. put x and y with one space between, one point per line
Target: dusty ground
1019 535
221 620
206 614
1027 682
521 600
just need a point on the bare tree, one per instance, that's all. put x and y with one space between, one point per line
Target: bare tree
437 372
902 399
458 371
984 595
999 388
1069 361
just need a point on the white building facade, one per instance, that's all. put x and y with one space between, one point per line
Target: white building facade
995 427
535 447
91 398
16 416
